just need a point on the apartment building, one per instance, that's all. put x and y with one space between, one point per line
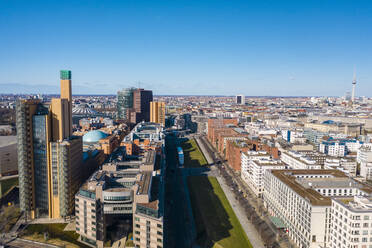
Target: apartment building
301 199
346 165
351 222
364 157
303 160
333 148
254 166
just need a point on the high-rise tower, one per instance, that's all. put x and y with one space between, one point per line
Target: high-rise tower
157 112
66 93
49 157
353 90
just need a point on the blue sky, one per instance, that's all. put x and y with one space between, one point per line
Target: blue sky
187 47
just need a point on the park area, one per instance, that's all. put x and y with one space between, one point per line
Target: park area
194 158
216 222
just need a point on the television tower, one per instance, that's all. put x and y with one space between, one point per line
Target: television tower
354 84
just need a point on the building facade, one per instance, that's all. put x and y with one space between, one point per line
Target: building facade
49 157
351 222
157 112
301 199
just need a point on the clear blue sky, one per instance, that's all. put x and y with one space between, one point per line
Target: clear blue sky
187 47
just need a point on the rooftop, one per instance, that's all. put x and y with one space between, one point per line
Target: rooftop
289 178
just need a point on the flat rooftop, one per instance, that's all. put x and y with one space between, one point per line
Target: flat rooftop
144 183
289 178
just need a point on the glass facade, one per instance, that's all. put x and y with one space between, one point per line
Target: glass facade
65 74
40 144
125 102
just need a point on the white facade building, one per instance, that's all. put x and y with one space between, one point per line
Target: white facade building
335 149
296 160
348 166
254 165
364 157
351 222
301 199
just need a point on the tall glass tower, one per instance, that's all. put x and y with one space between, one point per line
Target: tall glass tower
125 103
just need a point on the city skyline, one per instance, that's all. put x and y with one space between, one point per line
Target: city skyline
259 49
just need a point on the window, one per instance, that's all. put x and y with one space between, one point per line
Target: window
137 219
159 225
137 239
159 240
93 229
314 238
160 233
93 223
138 226
137 232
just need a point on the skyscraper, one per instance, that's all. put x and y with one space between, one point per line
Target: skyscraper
240 99
124 103
133 105
141 106
157 112
49 157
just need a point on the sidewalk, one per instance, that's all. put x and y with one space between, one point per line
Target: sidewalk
253 236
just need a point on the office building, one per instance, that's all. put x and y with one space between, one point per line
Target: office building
157 112
240 99
124 103
133 105
301 200
49 157
141 106
128 189
351 222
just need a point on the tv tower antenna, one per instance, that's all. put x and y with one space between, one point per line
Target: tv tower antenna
353 84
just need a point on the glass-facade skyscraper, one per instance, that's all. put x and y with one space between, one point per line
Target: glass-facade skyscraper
49 156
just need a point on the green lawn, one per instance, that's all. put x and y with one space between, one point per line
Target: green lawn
55 231
193 156
216 222
7 184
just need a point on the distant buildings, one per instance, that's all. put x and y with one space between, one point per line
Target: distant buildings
364 157
240 99
157 112
133 105
49 157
